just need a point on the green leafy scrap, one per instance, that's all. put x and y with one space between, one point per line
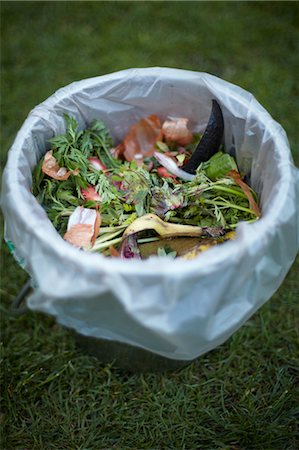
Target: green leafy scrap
72 150
136 185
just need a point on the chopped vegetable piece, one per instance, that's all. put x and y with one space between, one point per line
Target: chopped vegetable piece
176 131
219 165
80 235
113 252
51 167
164 173
246 189
171 166
165 229
118 151
164 199
129 247
97 164
142 137
83 227
91 194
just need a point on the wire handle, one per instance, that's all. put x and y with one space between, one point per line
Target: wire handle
16 308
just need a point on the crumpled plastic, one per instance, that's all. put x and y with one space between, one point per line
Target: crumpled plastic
178 308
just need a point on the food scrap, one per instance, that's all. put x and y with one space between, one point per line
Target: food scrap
164 190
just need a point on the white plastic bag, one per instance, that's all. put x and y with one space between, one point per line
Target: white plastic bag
176 308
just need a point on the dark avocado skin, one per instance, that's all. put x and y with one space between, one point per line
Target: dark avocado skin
210 141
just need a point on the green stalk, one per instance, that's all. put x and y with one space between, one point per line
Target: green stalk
234 225
104 245
103 144
228 205
104 230
107 236
225 189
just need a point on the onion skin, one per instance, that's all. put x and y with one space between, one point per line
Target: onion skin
51 168
91 194
141 138
210 141
177 131
83 227
171 166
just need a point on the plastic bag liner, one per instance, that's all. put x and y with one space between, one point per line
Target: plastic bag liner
178 308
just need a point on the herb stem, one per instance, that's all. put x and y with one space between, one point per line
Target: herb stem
107 236
234 225
104 245
228 205
103 145
225 189
104 230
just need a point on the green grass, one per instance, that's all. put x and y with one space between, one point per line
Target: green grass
242 395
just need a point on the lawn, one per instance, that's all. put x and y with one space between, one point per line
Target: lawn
242 395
